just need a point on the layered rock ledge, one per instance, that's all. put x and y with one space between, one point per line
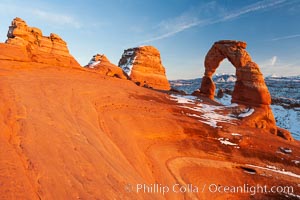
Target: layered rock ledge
27 44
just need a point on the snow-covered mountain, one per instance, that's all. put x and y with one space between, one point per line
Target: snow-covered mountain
285 92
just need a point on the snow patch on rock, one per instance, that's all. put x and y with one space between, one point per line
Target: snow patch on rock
188 99
207 114
93 63
127 67
296 161
226 141
276 170
247 113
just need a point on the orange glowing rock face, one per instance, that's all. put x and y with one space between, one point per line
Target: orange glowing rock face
250 87
144 67
31 43
74 133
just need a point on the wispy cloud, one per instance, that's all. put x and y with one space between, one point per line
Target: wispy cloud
269 62
285 37
251 8
185 21
279 67
177 29
53 18
273 60
56 18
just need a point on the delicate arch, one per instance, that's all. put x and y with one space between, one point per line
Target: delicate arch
250 87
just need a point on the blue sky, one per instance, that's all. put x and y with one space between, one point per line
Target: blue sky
183 30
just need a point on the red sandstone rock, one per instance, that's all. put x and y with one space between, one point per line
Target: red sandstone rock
250 88
281 132
143 65
105 67
36 47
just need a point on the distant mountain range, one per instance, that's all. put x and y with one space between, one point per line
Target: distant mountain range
285 92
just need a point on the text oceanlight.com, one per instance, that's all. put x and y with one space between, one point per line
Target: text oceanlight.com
211 188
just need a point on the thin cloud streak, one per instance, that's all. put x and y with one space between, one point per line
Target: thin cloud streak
53 18
285 37
177 30
56 18
273 60
204 22
277 66
252 8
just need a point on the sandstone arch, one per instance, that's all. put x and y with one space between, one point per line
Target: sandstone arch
250 87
